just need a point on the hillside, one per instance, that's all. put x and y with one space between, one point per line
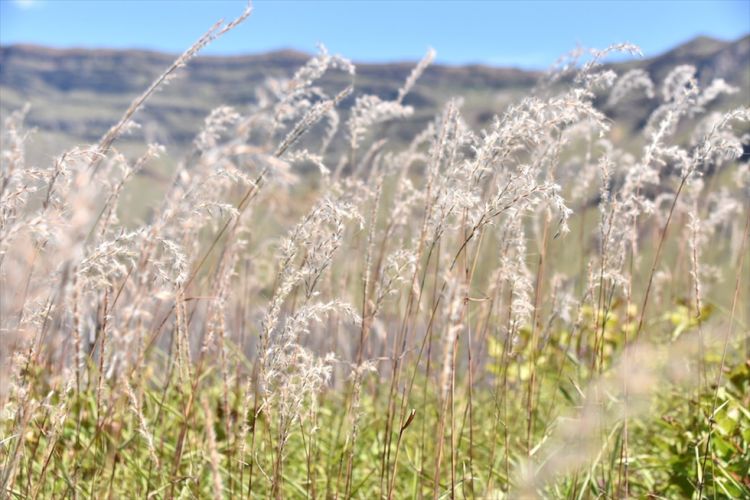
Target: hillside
76 94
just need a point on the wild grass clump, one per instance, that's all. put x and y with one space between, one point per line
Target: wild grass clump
530 309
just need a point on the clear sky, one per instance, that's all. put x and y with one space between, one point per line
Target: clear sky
527 34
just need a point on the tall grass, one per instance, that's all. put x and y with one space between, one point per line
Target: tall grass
526 310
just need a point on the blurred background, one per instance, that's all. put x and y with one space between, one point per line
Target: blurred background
80 63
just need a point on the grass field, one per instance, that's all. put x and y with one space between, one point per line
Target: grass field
530 310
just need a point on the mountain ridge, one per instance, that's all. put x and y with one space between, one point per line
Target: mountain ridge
77 93
697 44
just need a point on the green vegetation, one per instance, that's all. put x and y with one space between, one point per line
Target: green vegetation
311 311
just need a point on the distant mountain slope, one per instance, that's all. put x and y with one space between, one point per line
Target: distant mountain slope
76 94
712 58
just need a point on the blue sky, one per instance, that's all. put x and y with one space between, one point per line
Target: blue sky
527 34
